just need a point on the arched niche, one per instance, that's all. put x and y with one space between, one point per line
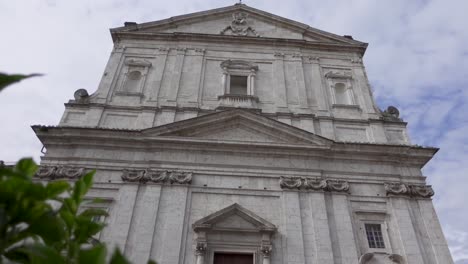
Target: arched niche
134 77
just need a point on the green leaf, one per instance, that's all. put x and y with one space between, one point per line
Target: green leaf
7 79
151 262
49 227
90 212
27 167
118 258
38 254
79 191
86 228
95 255
68 218
53 189
88 180
70 205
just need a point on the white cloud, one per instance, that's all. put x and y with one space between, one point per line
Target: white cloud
417 60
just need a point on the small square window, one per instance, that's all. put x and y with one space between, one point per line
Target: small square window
238 85
374 235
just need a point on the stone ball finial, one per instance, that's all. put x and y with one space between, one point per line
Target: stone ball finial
391 114
392 110
81 94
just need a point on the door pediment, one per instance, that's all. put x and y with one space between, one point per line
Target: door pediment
234 218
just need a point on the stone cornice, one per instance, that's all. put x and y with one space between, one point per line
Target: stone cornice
204 15
276 42
134 139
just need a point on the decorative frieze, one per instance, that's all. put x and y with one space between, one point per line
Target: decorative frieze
315 184
291 182
158 176
58 172
337 186
398 188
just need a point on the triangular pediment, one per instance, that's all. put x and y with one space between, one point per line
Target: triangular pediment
234 218
240 126
238 20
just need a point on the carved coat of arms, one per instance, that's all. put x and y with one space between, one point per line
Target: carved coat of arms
239 26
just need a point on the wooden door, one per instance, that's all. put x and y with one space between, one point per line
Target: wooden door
232 258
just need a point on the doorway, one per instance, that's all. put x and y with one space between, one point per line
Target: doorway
232 258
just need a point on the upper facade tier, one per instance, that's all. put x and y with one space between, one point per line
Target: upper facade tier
236 57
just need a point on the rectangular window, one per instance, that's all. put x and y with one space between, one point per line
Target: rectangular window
374 236
238 85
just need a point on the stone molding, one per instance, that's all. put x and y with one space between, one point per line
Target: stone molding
339 74
315 184
138 63
411 190
59 172
157 176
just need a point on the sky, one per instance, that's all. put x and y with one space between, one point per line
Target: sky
417 60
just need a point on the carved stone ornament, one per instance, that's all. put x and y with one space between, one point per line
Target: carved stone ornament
180 177
315 183
157 176
339 74
239 26
395 188
46 172
69 172
238 65
392 114
133 175
57 172
266 250
424 191
138 63
370 257
200 249
81 96
398 188
337 186
290 182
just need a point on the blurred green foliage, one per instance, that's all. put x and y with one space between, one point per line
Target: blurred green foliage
43 223
7 79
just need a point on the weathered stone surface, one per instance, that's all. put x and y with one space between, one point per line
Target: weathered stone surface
291 172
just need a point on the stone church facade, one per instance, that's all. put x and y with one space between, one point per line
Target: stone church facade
237 136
